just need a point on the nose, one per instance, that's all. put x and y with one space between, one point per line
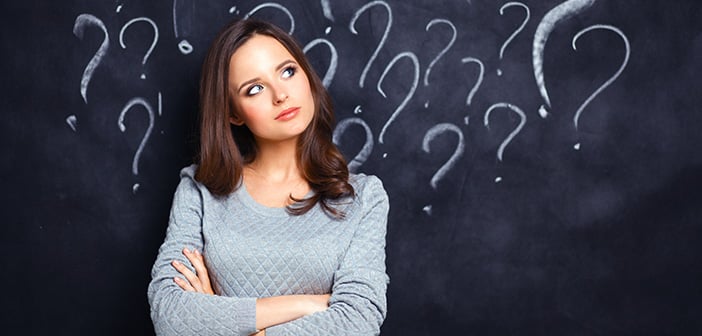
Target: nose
279 96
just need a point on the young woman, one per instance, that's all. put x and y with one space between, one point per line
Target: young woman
268 233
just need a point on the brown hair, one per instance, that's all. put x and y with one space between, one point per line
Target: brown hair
225 148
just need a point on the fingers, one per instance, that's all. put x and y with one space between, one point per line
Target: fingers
193 283
185 285
199 281
198 262
196 259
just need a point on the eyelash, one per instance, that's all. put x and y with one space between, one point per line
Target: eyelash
291 68
249 93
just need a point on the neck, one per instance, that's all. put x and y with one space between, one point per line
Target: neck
276 161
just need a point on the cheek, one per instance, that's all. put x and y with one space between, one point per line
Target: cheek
304 90
249 110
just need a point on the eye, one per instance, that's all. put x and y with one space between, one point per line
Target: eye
254 89
289 72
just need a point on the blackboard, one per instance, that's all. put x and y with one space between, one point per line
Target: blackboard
542 158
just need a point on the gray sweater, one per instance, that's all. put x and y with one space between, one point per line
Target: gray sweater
253 251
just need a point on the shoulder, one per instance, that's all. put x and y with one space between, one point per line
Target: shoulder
188 172
192 193
372 206
188 186
362 181
368 188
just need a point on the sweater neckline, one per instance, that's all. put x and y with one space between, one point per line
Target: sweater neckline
259 208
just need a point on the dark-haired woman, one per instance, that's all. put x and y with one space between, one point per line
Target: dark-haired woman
269 234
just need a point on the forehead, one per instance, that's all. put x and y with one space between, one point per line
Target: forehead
260 53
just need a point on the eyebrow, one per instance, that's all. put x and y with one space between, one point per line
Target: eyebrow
253 80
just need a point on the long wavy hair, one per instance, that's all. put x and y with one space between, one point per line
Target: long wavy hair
225 148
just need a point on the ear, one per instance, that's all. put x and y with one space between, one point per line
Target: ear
234 120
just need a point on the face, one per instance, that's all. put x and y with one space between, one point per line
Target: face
270 91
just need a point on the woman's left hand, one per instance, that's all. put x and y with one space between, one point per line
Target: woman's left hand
198 281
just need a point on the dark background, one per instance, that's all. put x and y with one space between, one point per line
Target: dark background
599 240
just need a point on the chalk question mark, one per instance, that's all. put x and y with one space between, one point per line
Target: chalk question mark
326 9
82 21
367 148
556 15
153 43
516 32
381 43
184 46
331 70
409 95
611 79
123 128
442 52
477 84
277 6
431 134
506 141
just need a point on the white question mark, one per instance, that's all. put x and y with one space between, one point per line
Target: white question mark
78 28
352 27
457 154
365 152
443 51
184 46
556 15
123 128
516 32
514 133
326 9
431 134
277 6
477 84
153 43
331 70
402 105
613 78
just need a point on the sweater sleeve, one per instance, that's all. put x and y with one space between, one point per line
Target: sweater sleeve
174 310
358 301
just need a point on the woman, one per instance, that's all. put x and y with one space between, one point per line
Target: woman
291 244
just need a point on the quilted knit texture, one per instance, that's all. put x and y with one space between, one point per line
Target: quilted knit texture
253 251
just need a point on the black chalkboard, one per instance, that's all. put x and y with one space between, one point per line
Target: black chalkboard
586 222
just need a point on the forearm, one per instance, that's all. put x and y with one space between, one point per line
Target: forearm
355 309
178 312
168 303
275 310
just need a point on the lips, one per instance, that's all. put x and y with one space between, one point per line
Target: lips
288 114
